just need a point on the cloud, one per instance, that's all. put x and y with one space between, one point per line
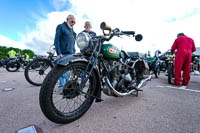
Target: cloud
42 36
186 15
5 41
145 17
61 4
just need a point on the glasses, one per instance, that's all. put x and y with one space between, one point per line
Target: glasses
73 22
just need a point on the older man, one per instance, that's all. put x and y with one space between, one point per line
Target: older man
65 37
65 43
88 28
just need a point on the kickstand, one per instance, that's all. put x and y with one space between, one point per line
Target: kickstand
136 92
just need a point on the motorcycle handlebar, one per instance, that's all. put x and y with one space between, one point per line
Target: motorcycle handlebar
128 32
119 33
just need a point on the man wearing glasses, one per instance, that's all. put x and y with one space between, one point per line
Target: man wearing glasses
65 37
65 43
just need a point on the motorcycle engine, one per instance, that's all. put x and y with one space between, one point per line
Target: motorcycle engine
120 77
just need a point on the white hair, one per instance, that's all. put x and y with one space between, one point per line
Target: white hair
70 16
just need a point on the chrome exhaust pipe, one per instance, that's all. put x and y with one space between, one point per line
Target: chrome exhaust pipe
115 91
142 83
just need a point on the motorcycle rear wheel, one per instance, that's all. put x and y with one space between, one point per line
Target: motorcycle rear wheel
13 67
70 93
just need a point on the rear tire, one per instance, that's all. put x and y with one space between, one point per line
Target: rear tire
12 67
47 104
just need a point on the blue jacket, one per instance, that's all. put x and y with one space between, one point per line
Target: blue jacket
91 33
64 42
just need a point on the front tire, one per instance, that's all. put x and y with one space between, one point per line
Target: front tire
70 92
36 71
170 73
157 71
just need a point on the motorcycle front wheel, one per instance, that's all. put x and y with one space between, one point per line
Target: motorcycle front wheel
157 71
36 71
69 102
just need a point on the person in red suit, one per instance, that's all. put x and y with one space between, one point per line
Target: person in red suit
184 46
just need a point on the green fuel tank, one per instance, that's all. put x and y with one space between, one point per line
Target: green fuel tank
110 51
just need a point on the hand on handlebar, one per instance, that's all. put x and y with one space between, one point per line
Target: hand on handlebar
59 56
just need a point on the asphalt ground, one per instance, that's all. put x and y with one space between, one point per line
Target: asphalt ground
160 108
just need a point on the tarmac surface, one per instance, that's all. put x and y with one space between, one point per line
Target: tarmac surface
160 108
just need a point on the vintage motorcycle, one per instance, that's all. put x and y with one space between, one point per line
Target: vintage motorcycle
99 67
4 62
36 71
14 65
154 64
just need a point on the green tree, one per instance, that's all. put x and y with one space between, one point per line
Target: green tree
4 51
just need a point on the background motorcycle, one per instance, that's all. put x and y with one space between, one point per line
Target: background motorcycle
154 64
99 67
14 65
36 71
4 62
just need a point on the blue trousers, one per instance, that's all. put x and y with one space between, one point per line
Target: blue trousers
64 78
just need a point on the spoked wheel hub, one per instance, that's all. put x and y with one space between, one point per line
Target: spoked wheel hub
41 72
71 90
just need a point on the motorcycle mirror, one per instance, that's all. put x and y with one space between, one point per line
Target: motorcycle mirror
138 37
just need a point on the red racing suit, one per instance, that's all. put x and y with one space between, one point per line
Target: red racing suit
185 46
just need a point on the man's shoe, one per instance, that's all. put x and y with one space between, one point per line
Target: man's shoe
177 84
183 87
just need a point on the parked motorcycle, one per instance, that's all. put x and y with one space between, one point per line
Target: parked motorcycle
154 64
36 71
4 62
14 65
100 67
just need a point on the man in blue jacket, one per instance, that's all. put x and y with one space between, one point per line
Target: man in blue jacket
65 43
65 37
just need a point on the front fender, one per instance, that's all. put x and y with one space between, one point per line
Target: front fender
65 60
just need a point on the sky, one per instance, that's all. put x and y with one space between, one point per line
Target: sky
31 24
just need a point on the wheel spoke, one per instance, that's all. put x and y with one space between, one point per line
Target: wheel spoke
72 98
